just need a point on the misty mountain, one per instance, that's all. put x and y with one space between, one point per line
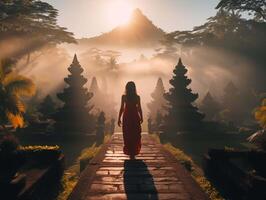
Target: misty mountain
139 32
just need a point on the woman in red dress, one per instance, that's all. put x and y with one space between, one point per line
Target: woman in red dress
132 119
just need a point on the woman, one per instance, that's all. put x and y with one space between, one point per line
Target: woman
132 118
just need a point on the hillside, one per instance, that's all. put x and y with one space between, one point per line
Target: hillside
139 32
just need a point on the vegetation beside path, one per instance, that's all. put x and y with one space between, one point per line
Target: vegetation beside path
71 174
194 169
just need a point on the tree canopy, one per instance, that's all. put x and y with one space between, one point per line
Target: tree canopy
258 7
229 32
12 88
260 114
33 21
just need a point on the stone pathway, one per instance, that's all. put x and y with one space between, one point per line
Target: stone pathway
154 175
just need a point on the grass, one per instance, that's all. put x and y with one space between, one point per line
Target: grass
194 170
89 153
197 144
71 175
68 181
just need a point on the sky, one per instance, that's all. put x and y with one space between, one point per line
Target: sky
87 18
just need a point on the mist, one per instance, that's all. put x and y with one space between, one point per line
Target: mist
210 69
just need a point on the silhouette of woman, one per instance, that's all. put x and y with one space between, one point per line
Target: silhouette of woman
132 119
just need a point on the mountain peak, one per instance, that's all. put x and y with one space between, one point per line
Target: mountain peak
138 16
139 32
137 12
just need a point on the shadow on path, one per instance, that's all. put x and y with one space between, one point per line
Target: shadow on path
138 181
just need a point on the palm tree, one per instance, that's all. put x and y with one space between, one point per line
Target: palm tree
12 88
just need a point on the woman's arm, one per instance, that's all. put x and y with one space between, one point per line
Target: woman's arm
140 111
121 110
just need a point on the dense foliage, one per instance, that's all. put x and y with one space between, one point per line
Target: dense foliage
34 22
158 102
256 7
47 107
210 107
12 88
157 106
229 32
260 114
102 100
100 128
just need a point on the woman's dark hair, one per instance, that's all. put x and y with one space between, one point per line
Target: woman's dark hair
131 92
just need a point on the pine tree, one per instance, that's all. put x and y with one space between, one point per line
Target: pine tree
158 103
101 100
150 130
182 114
210 107
47 107
232 111
75 115
97 99
94 88
100 128
112 127
230 95
158 121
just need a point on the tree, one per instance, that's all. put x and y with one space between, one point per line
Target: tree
182 114
232 110
94 87
101 100
231 95
97 95
100 128
150 129
228 32
112 64
159 121
258 7
47 107
158 103
12 88
210 107
32 21
112 126
75 115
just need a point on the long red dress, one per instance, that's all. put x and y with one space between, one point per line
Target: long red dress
131 128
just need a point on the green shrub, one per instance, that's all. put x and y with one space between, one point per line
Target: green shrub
195 171
71 175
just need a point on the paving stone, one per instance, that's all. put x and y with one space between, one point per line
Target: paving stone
152 176
96 187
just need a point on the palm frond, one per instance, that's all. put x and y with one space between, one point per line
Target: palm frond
1 73
19 85
6 66
10 104
15 119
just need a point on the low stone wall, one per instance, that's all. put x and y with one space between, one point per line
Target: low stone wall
37 179
44 183
238 174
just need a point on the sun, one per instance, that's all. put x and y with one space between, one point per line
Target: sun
119 12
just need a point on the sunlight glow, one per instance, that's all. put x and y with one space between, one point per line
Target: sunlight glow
119 12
